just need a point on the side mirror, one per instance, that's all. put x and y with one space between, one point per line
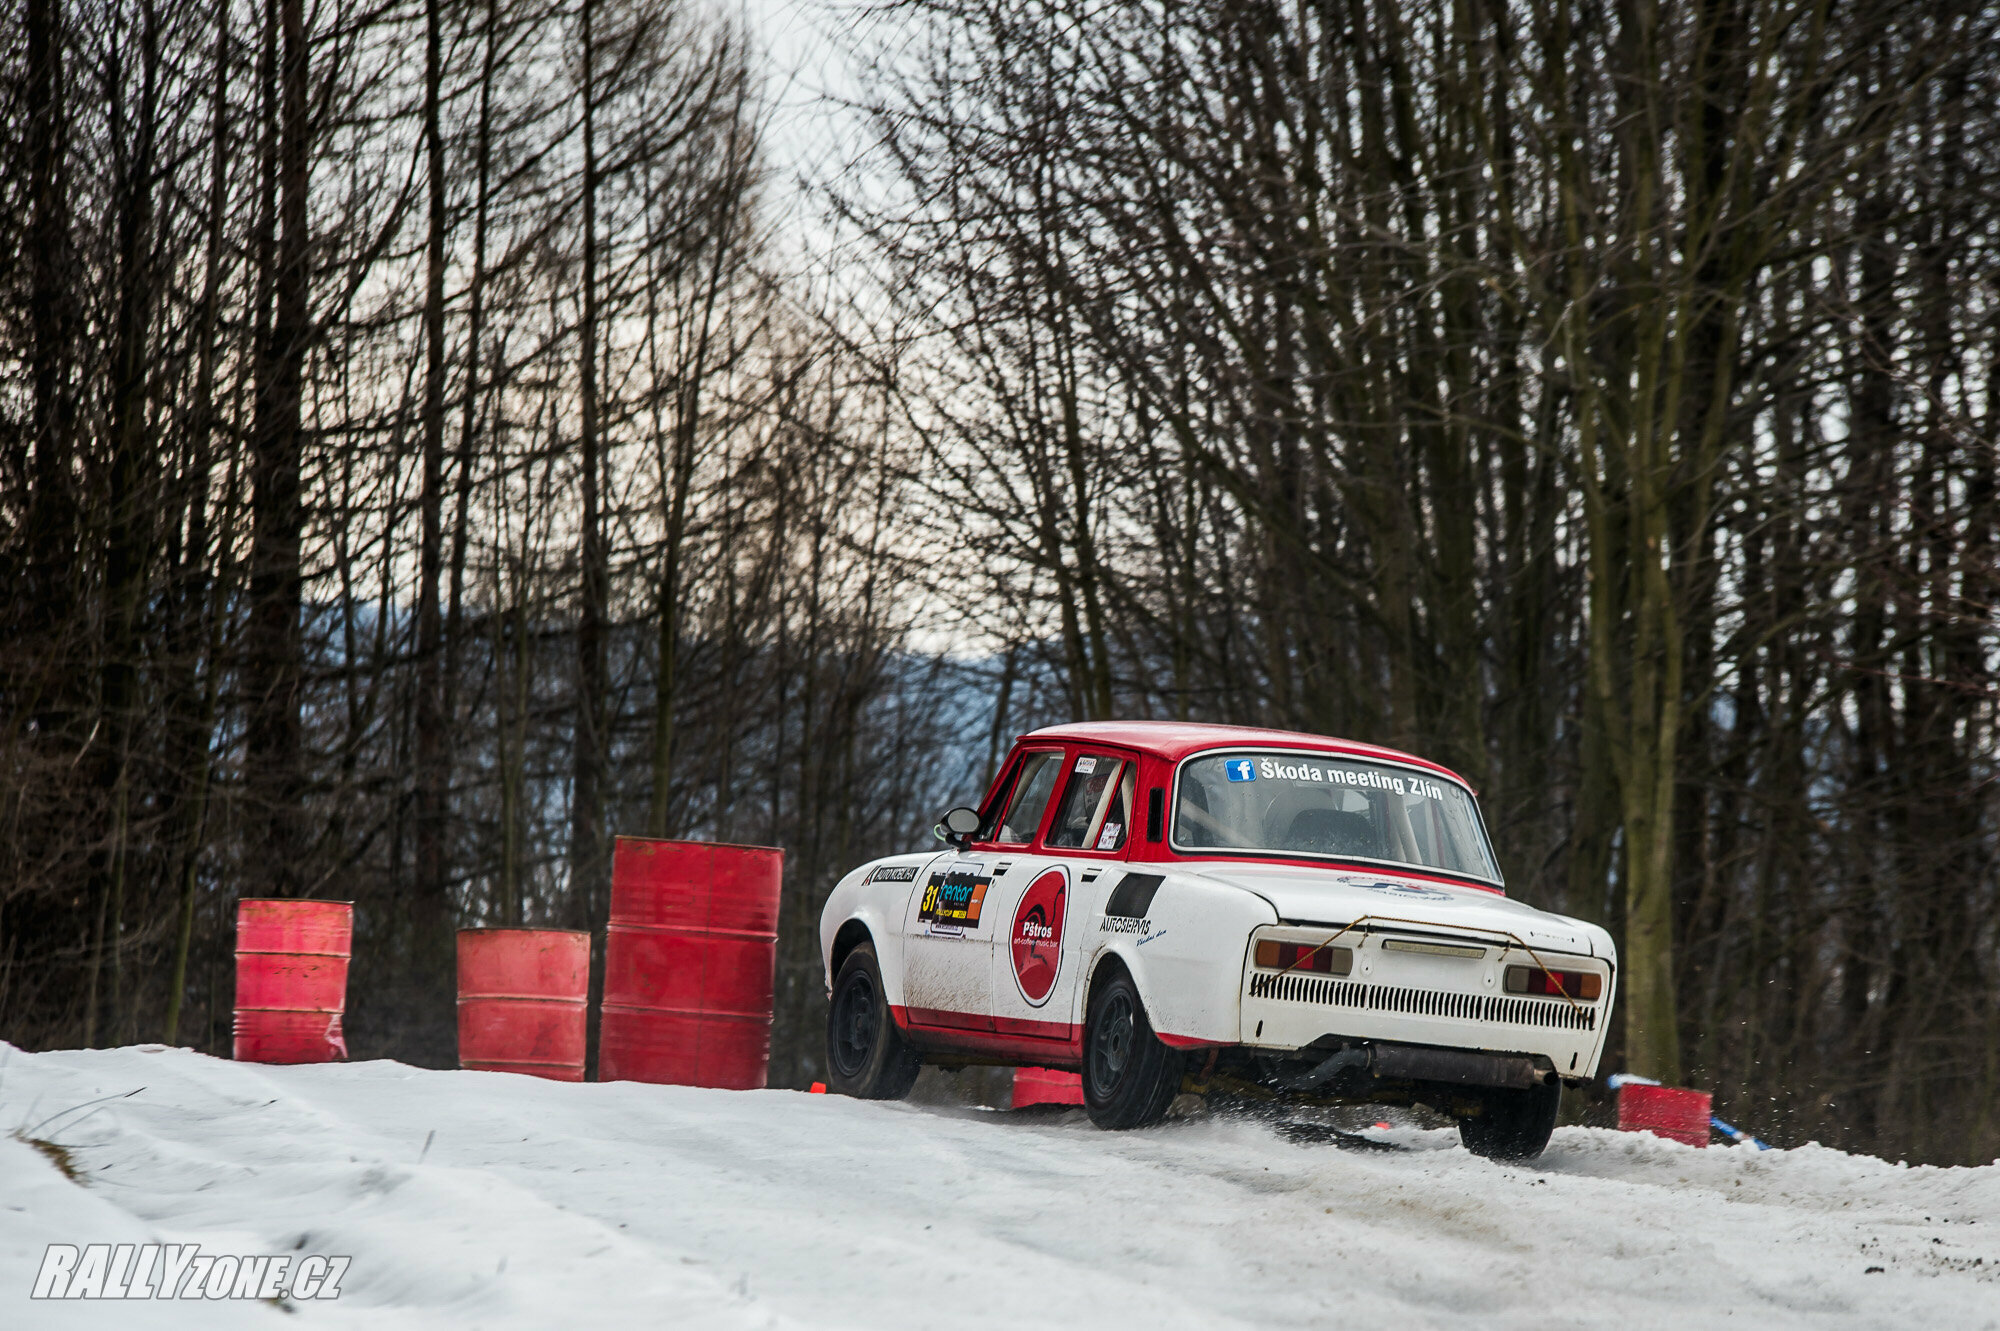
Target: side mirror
957 826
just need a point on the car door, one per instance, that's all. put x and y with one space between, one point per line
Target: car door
1044 905
951 922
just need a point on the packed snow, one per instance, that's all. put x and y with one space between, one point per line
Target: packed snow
472 1199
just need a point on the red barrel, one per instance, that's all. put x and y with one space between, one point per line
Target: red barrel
1043 1086
687 963
522 998
291 979
1665 1111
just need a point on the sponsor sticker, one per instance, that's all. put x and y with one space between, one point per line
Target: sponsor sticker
1123 924
1360 778
1400 889
894 873
1241 769
953 898
1086 765
184 1271
1108 838
1036 943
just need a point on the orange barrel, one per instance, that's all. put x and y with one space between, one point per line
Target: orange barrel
291 979
1665 1111
522 998
1044 1086
688 959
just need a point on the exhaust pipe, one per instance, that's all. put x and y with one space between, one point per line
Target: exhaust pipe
1412 1062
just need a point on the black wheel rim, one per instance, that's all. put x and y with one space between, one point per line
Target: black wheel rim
855 1023
1111 1040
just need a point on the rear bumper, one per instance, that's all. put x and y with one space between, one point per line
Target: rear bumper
1441 1003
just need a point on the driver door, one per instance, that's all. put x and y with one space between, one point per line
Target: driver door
951 923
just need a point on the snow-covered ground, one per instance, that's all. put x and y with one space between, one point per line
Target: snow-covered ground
596 1206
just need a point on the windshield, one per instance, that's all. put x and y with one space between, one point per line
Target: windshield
1318 804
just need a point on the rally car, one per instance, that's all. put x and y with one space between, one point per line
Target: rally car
1167 907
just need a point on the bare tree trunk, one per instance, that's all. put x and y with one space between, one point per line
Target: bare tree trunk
51 517
128 541
588 891
195 742
274 657
475 328
431 904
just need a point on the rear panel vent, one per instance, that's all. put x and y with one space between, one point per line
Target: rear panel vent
1133 896
1295 988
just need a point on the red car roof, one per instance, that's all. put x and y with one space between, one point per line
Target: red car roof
1175 740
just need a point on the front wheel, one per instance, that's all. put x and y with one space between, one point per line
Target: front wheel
1513 1125
865 1054
1129 1076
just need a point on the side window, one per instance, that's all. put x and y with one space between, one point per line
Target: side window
1030 796
1096 809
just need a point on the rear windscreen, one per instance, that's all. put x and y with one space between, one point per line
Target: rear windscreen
1315 804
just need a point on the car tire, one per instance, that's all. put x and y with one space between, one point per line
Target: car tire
865 1054
1129 1076
1513 1125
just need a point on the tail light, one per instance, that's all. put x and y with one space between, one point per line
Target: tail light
1585 985
1275 956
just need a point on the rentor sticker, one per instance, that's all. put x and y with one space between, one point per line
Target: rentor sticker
953 897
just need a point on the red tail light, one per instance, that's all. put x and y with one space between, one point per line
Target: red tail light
1555 984
1275 956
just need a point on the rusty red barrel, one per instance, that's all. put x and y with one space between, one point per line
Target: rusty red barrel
687 963
1045 1086
522 998
291 979
1665 1111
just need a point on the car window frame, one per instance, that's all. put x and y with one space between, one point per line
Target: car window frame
1131 838
996 807
1173 846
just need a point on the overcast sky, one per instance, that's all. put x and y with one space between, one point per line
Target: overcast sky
808 42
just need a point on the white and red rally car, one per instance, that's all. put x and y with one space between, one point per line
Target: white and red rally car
1161 905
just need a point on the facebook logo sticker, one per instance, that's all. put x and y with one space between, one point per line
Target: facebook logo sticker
1241 769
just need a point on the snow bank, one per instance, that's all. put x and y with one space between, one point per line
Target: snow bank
540 1204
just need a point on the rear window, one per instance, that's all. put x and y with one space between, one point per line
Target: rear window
1330 805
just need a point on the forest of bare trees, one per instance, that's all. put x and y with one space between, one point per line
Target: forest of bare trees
414 476
436 437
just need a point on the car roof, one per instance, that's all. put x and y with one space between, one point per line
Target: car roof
1175 740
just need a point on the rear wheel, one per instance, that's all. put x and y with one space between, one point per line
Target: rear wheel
865 1054
1514 1125
1129 1076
